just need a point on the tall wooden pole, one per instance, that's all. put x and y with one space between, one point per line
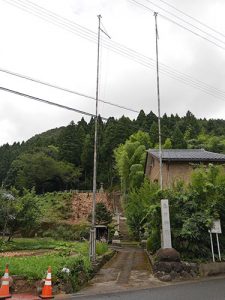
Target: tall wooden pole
92 252
158 96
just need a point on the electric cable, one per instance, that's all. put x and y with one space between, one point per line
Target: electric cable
187 22
48 102
191 17
55 19
178 24
147 62
64 89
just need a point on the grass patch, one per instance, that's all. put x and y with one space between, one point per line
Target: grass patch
35 267
101 248
51 244
41 243
55 206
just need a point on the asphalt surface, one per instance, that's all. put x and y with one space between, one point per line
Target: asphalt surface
128 269
199 290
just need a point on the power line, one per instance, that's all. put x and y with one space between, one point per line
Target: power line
121 49
63 89
83 95
127 52
178 24
48 102
53 18
190 24
191 17
195 33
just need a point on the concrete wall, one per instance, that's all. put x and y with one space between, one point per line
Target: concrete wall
214 268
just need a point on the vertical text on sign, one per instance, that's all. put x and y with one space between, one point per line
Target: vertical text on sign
166 234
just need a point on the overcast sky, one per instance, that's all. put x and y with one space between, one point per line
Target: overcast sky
34 47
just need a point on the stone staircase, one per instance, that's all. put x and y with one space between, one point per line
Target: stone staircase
124 232
124 235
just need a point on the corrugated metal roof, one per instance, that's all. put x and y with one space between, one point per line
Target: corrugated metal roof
188 155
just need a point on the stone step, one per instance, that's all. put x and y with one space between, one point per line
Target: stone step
124 232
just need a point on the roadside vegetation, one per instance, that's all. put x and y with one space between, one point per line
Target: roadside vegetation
37 178
192 211
193 207
70 263
61 255
48 215
36 233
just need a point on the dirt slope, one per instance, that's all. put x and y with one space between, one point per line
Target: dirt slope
82 205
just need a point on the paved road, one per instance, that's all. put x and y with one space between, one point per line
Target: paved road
204 290
129 269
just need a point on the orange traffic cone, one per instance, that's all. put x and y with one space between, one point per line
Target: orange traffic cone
4 290
47 289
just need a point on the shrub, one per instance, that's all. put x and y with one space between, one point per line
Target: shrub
102 215
75 275
153 242
77 232
192 210
101 248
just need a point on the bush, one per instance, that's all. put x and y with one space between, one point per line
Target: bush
101 248
149 244
67 232
102 215
153 242
192 210
75 275
18 213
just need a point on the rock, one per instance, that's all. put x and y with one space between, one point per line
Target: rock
193 274
177 266
168 254
194 267
174 274
143 244
185 275
164 266
55 289
166 277
186 266
159 274
116 243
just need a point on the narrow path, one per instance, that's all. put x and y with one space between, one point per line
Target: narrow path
128 269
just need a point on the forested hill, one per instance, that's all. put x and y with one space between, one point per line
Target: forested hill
62 158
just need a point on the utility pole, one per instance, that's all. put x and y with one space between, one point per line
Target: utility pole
158 96
92 240
92 248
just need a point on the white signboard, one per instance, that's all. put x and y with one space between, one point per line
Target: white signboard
216 227
166 234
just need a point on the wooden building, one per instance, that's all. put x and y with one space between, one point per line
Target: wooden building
178 164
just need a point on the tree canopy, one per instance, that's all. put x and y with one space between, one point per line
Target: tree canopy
130 159
73 145
42 172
